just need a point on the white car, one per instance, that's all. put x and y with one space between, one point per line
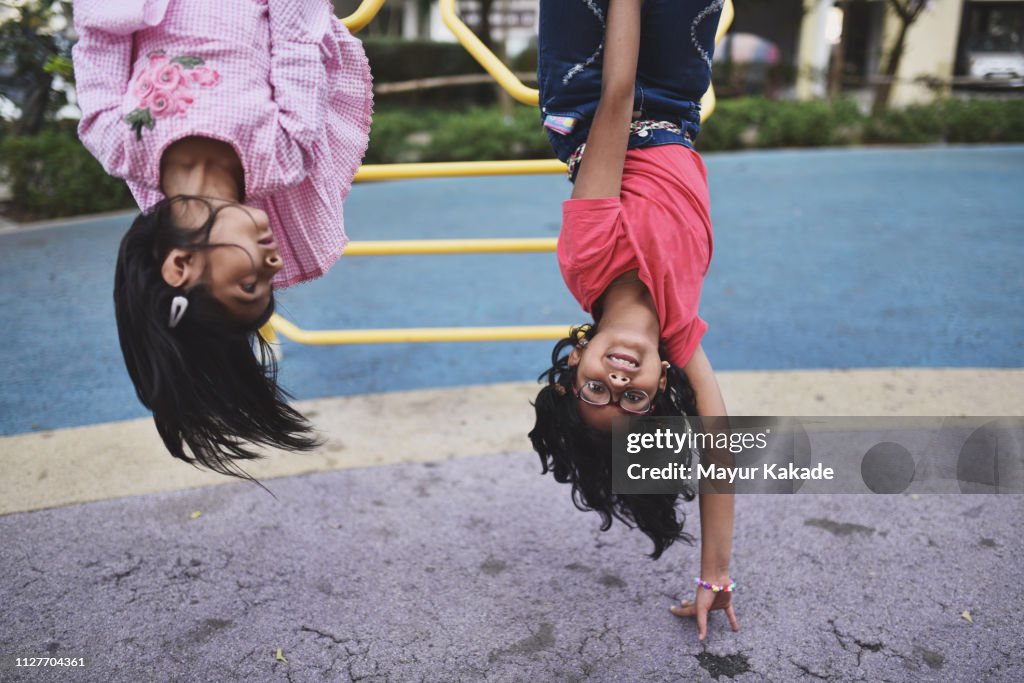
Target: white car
995 58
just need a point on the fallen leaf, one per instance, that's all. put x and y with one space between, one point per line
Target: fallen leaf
967 615
195 515
280 656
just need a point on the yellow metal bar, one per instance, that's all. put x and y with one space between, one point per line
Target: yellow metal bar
268 334
482 54
417 334
363 15
458 169
725 21
530 96
453 246
708 101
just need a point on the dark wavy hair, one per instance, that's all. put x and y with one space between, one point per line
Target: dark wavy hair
580 455
210 381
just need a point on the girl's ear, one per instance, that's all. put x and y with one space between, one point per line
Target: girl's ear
574 356
663 382
180 268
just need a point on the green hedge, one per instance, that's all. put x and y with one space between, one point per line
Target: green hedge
758 122
480 133
752 122
52 174
743 123
985 121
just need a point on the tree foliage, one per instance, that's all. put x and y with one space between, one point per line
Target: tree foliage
35 47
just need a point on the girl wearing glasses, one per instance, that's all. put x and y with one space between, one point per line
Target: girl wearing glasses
620 98
238 125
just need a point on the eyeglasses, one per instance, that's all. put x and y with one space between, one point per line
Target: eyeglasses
634 401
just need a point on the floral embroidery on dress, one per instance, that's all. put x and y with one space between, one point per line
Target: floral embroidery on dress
164 88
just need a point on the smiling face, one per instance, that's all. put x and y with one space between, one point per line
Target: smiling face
624 363
238 263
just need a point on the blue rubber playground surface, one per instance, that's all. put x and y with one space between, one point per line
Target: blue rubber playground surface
849 258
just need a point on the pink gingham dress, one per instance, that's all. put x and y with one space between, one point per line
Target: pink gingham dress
282 81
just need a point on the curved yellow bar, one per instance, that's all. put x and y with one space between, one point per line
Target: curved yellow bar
512 245
268 334
457 169
416 335
530 96
708 101
728 14
483 55
363 15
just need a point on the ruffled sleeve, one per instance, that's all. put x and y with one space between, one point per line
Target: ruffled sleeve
123 17
102 58
308 218
298 79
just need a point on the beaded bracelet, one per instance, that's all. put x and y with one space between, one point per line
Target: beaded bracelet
714 587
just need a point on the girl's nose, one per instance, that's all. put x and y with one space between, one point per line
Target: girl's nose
260 217
618 379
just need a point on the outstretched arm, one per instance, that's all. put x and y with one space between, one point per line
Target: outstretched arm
600 173
103 63
297 72
716 512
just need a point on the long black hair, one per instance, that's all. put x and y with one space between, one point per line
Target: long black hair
211 393
580 455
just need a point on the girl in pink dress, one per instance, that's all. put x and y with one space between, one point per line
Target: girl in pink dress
238 125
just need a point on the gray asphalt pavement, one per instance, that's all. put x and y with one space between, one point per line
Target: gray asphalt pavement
480 570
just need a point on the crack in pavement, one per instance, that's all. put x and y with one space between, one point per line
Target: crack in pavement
861 644
807 671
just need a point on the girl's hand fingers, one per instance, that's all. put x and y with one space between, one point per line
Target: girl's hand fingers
732 618
685 608
702 623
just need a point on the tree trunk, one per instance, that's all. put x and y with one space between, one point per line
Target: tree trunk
907 13
33 109
484 32
884 89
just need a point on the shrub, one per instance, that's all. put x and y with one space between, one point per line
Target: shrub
759 122
914 125
479 134
984 120
482 134
52 174
731 125
393 133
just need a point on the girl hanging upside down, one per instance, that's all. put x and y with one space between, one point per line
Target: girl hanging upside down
621 83
238 125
